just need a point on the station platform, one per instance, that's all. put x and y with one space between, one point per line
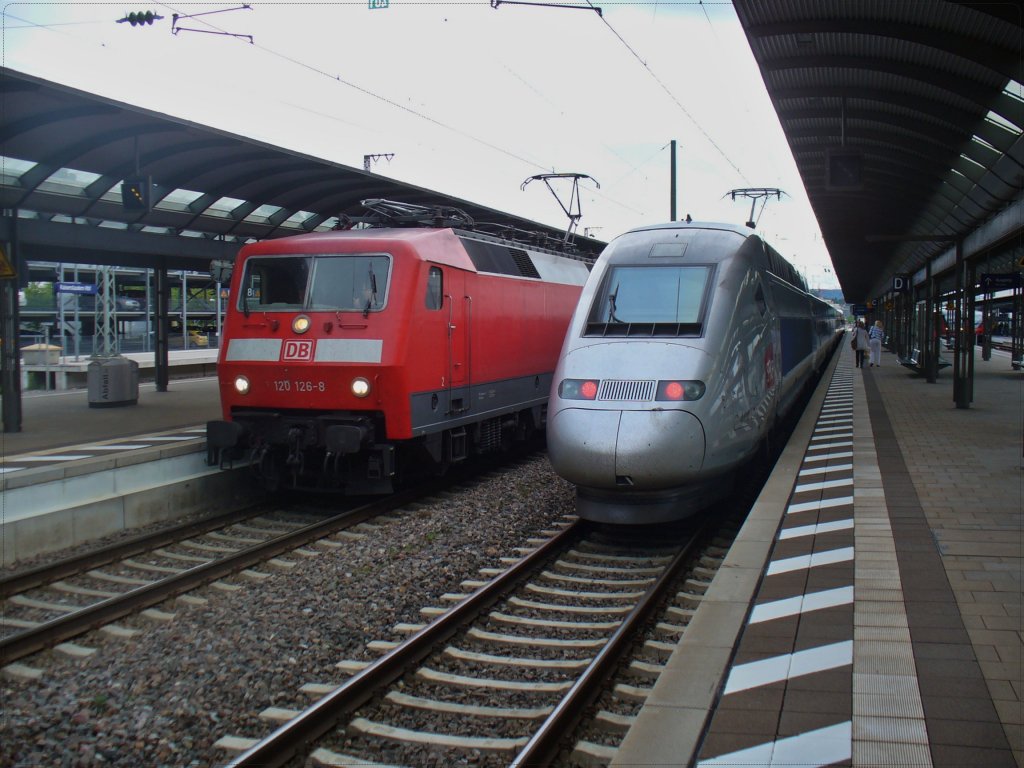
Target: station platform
869 612
76 473
63 419
70 372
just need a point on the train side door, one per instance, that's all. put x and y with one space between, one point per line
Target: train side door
457 305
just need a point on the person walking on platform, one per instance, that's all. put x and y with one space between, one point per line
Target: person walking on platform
860 343
875 344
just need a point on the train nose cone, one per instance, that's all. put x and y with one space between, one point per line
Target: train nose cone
642 450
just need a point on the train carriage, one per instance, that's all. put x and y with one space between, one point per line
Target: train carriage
352 358
690 343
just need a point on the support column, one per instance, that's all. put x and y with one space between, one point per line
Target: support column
163 300
963 351
10 355
931 341
10 366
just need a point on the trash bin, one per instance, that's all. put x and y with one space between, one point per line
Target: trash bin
113 381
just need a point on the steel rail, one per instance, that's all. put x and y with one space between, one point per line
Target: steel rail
295 735
71 566
543 747
90 617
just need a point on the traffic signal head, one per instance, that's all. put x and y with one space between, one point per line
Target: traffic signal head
136 194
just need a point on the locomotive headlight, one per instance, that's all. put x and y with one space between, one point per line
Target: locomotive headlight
680 390
300 324
360 387
578 389
241 385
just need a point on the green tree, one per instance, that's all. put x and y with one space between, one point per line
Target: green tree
39 296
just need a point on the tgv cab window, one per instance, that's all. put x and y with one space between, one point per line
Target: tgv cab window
650 301
355 283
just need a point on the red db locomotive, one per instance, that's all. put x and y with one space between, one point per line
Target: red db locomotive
353 358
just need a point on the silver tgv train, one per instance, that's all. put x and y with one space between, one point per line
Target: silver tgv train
689 343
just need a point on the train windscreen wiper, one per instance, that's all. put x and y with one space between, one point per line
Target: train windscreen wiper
611 305
372 299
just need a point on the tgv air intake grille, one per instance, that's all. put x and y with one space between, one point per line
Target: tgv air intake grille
635 391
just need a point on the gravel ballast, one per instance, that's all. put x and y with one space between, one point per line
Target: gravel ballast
163 697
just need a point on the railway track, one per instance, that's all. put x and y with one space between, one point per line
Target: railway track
503 674
55 603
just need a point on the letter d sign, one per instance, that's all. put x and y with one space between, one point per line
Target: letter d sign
901 283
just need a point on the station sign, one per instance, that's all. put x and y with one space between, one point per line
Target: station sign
6 268
858 309
999 281
901 283
83 289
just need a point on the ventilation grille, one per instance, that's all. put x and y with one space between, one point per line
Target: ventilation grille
489 436
500 259
670 330
631 391
524 263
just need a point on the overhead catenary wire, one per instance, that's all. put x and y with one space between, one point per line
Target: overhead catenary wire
672 96
415 113
384 99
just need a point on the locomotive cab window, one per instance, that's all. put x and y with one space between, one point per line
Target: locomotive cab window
328 282
435 288
650 301
274 283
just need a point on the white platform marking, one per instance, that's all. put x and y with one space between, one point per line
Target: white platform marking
828 457
119 447
815 560
823 446
55 457
813 530
820 486
825 470
743 677
808 506
792 606
824 746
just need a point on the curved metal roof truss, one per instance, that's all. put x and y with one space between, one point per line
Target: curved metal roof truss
924 99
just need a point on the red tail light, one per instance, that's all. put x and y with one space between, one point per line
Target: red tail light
680 390
578 389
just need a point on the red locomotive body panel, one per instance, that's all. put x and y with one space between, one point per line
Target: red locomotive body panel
432 344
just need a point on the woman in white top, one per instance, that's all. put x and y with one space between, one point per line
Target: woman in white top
875 343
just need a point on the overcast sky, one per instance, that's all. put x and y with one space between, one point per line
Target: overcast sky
469 99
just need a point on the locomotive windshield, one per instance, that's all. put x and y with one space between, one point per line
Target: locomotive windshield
663 300
328 282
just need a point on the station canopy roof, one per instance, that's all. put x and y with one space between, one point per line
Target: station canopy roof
904 118
64 154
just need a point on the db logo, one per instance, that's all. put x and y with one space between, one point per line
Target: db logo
298 350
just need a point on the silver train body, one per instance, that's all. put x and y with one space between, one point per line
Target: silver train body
689 343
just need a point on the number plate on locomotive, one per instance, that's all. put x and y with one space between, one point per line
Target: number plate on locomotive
298 385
